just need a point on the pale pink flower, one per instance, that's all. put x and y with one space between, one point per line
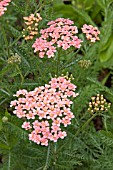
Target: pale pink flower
41 54
54 137
62 134
44 141
66 121
26 125
55 128
56 122
13 103
30 115
21 92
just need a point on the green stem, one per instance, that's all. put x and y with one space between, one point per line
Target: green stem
40 6
55 153
47 158
58 63
105 124
105 79
6 41
22 77
9 161
85 124
15 41
27 6
70 59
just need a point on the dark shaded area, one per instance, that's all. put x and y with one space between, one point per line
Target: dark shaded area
1 159
98 124
67 2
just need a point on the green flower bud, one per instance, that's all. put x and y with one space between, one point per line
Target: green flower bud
5 119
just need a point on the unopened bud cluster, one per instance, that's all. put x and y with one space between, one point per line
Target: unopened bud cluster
68 76
31 23
15 58
84 63
98 103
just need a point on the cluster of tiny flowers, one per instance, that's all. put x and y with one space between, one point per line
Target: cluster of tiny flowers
3 5
68 76
14 59
31 23
98 103
91 32
84 63
46 110
60 33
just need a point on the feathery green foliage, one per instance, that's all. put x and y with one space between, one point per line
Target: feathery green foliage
89 140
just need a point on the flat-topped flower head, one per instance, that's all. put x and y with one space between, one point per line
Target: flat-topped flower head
31 26
46 109
59 34
91 32
3 5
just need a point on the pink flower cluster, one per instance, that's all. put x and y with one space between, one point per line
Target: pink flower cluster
60 33
91 32
46 110
3 5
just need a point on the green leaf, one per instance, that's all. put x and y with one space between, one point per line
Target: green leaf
84 16
3 146
7 114
107 51
0 124
5 70
108 2
107 134
101 3
65 11
14 31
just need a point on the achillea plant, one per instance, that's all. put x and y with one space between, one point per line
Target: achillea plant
46 126
46 109
3 5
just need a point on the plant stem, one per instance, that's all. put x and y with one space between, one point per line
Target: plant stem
85 124
70 59
27 6
105 124
22 77
47 158
55 152
6 41
105 79
9 161
58 62
15 41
